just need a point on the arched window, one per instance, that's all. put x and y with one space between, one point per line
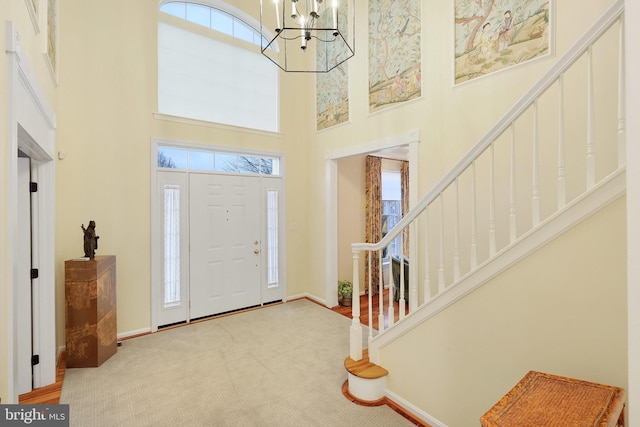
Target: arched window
210 67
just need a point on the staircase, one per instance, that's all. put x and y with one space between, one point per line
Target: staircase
366 382
529 180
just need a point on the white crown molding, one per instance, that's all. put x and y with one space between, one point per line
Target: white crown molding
27 76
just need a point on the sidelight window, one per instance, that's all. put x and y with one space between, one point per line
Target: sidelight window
272 239
171 288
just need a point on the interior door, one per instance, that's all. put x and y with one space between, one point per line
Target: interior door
23 277
225 243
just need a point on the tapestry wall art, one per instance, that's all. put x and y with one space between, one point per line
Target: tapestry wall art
332 88
52 34
395 72
332 97
495 35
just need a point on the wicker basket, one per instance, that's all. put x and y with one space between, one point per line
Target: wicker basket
541 399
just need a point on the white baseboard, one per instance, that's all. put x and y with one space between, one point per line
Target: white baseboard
307 295
128 334
432 421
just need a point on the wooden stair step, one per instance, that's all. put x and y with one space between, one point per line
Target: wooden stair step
363 368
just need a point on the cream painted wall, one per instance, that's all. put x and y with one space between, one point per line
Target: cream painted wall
562 310
351 211
107 93
450 119
32 43
108 86
106 123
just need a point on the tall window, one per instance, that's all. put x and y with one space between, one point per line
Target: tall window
171 288
210 67
391 208
272 239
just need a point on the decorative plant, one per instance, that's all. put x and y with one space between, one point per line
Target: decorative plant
345 289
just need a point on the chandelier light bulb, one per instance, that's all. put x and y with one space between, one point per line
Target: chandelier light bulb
278 27
335 18
328 42
303 38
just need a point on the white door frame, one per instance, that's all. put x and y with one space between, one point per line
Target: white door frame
410 139
24 328
31 128
156 223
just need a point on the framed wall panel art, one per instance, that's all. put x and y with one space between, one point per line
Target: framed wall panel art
395 72
332 97
332 88
492 36
51 48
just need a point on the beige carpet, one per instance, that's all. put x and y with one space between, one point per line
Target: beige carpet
278 366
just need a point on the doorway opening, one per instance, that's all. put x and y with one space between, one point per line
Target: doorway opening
339 257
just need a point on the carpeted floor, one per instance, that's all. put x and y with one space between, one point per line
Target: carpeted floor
278 366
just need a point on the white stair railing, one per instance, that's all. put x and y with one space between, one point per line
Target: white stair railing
491 179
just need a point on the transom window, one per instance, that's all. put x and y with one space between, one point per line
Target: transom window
217 161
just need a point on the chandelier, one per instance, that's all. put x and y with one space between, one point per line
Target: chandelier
308 36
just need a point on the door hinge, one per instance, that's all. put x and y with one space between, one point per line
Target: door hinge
34 273
35 359
33 187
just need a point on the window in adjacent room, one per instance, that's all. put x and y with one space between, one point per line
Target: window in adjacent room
391 209
210 67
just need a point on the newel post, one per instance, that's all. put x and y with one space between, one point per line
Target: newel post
355 347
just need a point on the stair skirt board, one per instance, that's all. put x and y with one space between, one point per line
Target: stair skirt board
367 390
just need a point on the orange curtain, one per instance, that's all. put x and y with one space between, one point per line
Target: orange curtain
373 217
404 195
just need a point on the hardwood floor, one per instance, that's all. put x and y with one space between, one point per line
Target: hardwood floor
47 394
375 309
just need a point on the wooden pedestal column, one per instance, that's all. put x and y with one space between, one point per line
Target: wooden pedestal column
90 315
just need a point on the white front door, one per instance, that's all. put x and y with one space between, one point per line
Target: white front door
225 243
23 277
